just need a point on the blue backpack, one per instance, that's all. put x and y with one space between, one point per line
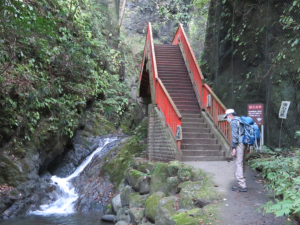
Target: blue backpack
252 134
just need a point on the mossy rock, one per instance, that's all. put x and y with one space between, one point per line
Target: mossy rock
115 168
137 201
151 205
197 174
136 215
184 174
136 162
172 188
125 195
165 209
133 177
197 194
158 178
146 168
207 215
192 217
184 184
173 168
18 151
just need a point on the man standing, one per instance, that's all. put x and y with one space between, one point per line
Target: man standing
238 149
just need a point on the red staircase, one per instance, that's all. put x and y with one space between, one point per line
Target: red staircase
179 92
198 142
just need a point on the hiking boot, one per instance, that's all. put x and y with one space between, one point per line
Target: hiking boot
238 188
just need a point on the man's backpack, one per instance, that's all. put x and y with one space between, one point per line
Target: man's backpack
252 134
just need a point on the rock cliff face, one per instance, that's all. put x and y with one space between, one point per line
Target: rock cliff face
164 15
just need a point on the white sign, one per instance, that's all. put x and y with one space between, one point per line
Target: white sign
221 117
208 100
284 109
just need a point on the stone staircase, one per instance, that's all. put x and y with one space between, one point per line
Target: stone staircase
199 142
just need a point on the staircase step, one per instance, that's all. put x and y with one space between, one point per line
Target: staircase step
199 141
190 111
192 120
206 158
196 130
196 135
193 124
212 147
202 153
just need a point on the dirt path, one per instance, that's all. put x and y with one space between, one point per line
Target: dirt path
239 208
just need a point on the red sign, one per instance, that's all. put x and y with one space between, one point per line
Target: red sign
256 112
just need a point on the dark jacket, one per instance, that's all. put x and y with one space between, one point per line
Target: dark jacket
237 130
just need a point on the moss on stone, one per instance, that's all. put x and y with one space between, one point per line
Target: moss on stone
184 174
172 185
133 177
197 174
198 193
158 179
146 168
196 216
151 205
184 184
173 168
115 167
137 201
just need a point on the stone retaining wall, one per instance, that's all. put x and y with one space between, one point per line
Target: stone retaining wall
161 143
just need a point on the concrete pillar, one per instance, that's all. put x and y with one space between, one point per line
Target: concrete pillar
133 92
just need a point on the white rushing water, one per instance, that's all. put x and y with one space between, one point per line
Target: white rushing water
65 203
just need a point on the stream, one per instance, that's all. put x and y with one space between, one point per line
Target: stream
62 211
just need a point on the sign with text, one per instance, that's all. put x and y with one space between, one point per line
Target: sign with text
284 109
256 112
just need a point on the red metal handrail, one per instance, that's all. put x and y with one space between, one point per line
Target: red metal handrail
161 96
216 107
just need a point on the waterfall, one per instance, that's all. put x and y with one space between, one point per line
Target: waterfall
65 202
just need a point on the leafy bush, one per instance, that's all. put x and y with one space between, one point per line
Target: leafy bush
55 57
282 175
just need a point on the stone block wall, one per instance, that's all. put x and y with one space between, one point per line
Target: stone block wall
161 143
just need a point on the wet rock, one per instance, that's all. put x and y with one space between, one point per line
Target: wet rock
133 177
116 203
158 178
165 209
172 186
125 195
144 185
173 168
136 215
138 201
123 215
151 205
109 218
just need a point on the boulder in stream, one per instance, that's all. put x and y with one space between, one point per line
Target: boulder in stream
116 203
136 215
125 195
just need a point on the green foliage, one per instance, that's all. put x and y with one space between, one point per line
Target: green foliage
283 178
55 57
